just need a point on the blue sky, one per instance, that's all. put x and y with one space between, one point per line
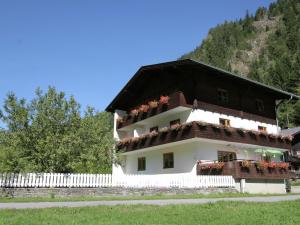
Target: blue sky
90 49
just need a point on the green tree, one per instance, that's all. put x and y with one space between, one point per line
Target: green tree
49 135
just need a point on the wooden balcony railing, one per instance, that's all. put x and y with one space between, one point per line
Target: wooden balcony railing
203 130
252 171
175 100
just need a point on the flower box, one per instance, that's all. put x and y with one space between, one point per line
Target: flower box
164 100
135 139
153 104
164 129
176 127
246 164
253 133
283 165
153 134
144 108
213 166
272 136
263 133
261 165
272 165
134 112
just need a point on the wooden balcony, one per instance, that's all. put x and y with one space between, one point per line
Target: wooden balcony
176 99
203 130
236 169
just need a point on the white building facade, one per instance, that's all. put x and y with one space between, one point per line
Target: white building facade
183 133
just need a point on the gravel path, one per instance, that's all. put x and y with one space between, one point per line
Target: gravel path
30 205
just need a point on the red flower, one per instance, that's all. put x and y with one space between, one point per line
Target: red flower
283 165
144 108
272 165
164 100
262 165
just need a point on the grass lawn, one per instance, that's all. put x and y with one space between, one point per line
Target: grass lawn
93 198
221 213
295 183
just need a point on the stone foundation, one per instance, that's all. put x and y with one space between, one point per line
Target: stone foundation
105 192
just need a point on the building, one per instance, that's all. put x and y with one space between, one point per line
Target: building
186 117
294 155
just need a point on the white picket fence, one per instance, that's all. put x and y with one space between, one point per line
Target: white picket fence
56 180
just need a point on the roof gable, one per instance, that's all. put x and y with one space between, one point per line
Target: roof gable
181 75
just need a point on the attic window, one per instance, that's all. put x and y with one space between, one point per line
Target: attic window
259 105
223 95
224 122
262 128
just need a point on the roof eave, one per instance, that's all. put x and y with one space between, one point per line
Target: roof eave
110 107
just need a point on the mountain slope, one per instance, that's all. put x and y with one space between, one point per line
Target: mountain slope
265 47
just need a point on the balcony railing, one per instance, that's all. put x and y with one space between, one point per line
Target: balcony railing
175 100
243 169
204 130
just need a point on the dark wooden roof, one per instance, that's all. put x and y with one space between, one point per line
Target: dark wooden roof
183 75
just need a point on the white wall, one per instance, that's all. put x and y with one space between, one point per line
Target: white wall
265 187
237 122
185 157
184 160
118 134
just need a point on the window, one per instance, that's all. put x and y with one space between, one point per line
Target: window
141 164
154 129
224 122
168 160
226 156
259 105
174 122
223 95
262 128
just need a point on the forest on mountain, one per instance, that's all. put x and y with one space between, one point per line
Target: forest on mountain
264 47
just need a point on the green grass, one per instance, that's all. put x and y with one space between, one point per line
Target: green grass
221 213
295 183
93 198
